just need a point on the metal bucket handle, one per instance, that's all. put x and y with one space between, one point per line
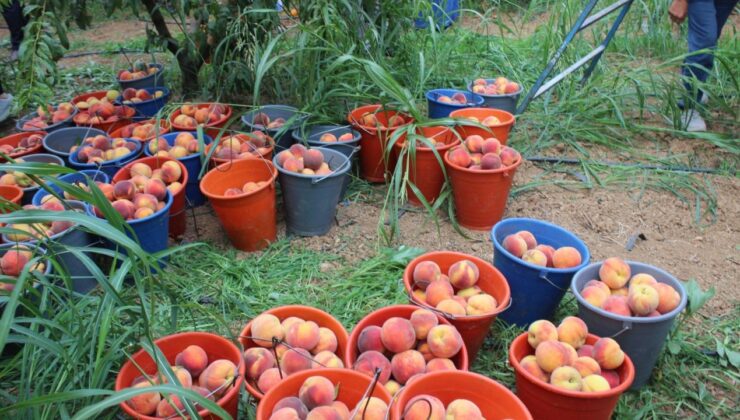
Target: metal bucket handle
340 168
543 276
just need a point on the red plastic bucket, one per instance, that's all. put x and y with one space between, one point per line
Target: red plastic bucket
307 313
473 329
480 196
216 347
98 94
211 129
546 401
177 211
164 128
374 162
426 171
494 400
500 131
351 387
109 127
249 219
381 315
14 139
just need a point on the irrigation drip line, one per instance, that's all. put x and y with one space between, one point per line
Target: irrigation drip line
102 52
572 161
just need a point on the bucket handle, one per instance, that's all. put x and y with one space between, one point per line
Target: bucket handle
543 276
626 326
340 168
453 316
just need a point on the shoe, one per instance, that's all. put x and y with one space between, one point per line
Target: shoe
692 121
14 55
6 102
704 98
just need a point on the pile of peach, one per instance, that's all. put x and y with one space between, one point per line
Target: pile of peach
101 148
457 99
425 407
317 400
481 154
49 115
304 161
562 359
191 115
28 142
139 71
242 146
13 262
148 180
369 119
134 96
500 86
524 245
263 120
140 197
185 144
415 346
621 293
100 112
110 97
18 178
213 378
39 230
248 187
331 138
455 293
303 345
141 131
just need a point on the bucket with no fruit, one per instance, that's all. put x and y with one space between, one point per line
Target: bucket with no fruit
495 123
62 141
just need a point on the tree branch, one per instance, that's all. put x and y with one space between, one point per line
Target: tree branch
161 26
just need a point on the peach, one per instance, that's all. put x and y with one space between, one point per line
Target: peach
293 165
141 169
528 238
573 330
566 257
515 245
536 257
265 328
541 330
372 409
490 161
12 262
327 359
170 406
529 364
298 150
423 348
587 366
668 298
303 334
491 145
612 378
595 383
426 272
463 274
623 291
460 157
571 354
316 391
462 409
406 364
145 403
481 304
218 376
392 387
551 354
143 212
424 407
193 358
183 376
145 200
642 278
614 272
124 190
327 341
269 379
438 364
595 296
617 305
313 158
324 412
474 143
171 171
398 334
423 320
289 321
342 409
643 299
156 188
371 360
608 353
295 360
469 292
419 295
369 339
437 291
294 403
286 413
566 377
444 341
258 360
586 350
452 307
548 251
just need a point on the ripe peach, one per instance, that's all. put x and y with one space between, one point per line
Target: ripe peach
141 169
157 188
371 360
614 272
168 407
289 321
586 366
392 387
573 330
293 165
423 348
303 334
316 391
462 409
193 358
509 156
124 190
327 341
490 161
535 256
586 350
125 208
624 292
608 353
643 299
218 376
324 412
452 307
342 409
419 295
369 339
12 262
595 383
438 364
612 377
469 292
269 379
551 354
327 359
668 297
258 360
171 171
444 341
292 402
566 257
540 331
265 327
437 291
491 145
548 251
423 320
566 377
295 360
460 157
313 158
397 334
424 407
529 364
515 245
463 274
372 409
617 305
571 354
286 413
146 403
595 296
481 304
142 200
406 364
426 272
642 278
528 238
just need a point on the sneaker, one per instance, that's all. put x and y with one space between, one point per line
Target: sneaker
692 121
6 102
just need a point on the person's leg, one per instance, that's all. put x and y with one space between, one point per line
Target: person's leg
724 10
703 32
15 19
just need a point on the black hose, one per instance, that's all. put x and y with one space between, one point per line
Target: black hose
86 53
572 161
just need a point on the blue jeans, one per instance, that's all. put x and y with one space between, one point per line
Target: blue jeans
706 19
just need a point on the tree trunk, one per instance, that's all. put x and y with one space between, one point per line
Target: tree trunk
189 68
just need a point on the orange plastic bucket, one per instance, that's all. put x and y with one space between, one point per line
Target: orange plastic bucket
267 154
351 387
307 313
374 163
14 139
164 128
211 129
177 210
546 401
480 196
500 131
250 219
216 347
494 400
473 329
381 315
426 171
11 193
98 94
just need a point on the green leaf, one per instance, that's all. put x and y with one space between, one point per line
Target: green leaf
696 296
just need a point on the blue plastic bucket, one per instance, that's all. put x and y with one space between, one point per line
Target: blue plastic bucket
152 80
193 164
149 108
535 291
444 13
506 101
282 136
110 167
642 338
49 128
79 176
60 142
29 192
436 109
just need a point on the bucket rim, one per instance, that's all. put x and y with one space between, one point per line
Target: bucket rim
503 95
96 173
330 128
147 77
375 108
15 139
633 319
343 166
224 169
48 128
246 120
501 170
460 114
477 99
165 96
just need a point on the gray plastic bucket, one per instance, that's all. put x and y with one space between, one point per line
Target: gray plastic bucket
310 202
642 338
60 142
150 81
49 128
29 192
506 102
282 135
